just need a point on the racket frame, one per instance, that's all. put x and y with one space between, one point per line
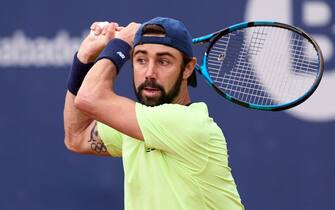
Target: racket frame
213 37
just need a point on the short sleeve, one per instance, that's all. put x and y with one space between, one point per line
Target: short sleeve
111 138
176 129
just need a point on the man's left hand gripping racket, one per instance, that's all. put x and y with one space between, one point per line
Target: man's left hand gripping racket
262 65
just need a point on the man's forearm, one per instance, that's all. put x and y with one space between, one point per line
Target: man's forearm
97 99
98 84
96 96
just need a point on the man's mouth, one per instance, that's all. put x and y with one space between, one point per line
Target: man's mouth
151 92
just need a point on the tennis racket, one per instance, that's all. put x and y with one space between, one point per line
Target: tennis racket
262 65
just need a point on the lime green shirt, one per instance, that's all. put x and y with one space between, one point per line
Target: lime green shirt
181 164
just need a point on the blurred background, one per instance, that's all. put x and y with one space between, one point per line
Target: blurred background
280 160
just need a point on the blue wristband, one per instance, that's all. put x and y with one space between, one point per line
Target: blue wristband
77 74
118 51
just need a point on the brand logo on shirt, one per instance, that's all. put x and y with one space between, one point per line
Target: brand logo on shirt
147 149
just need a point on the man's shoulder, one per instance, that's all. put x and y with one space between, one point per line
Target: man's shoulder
196 106
172 113
201 106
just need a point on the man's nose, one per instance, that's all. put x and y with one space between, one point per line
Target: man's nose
151 71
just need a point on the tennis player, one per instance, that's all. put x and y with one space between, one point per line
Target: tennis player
174 154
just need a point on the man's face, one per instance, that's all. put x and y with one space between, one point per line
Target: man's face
157 73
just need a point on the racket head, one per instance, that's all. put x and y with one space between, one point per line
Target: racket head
263 65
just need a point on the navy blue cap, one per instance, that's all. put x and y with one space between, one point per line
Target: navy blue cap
176 36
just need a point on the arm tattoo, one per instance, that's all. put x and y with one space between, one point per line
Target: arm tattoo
96 143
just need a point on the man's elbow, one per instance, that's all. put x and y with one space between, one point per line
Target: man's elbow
70 145
75 144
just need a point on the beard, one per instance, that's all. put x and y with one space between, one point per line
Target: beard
163 97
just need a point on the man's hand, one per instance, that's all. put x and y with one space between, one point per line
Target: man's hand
91 47
127 33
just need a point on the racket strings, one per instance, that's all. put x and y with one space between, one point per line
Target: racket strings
263 65
256 89
304 63
241 82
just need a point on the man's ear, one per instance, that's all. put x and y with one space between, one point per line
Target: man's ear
189 68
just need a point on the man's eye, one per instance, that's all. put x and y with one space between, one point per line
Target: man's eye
164 62
140 61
